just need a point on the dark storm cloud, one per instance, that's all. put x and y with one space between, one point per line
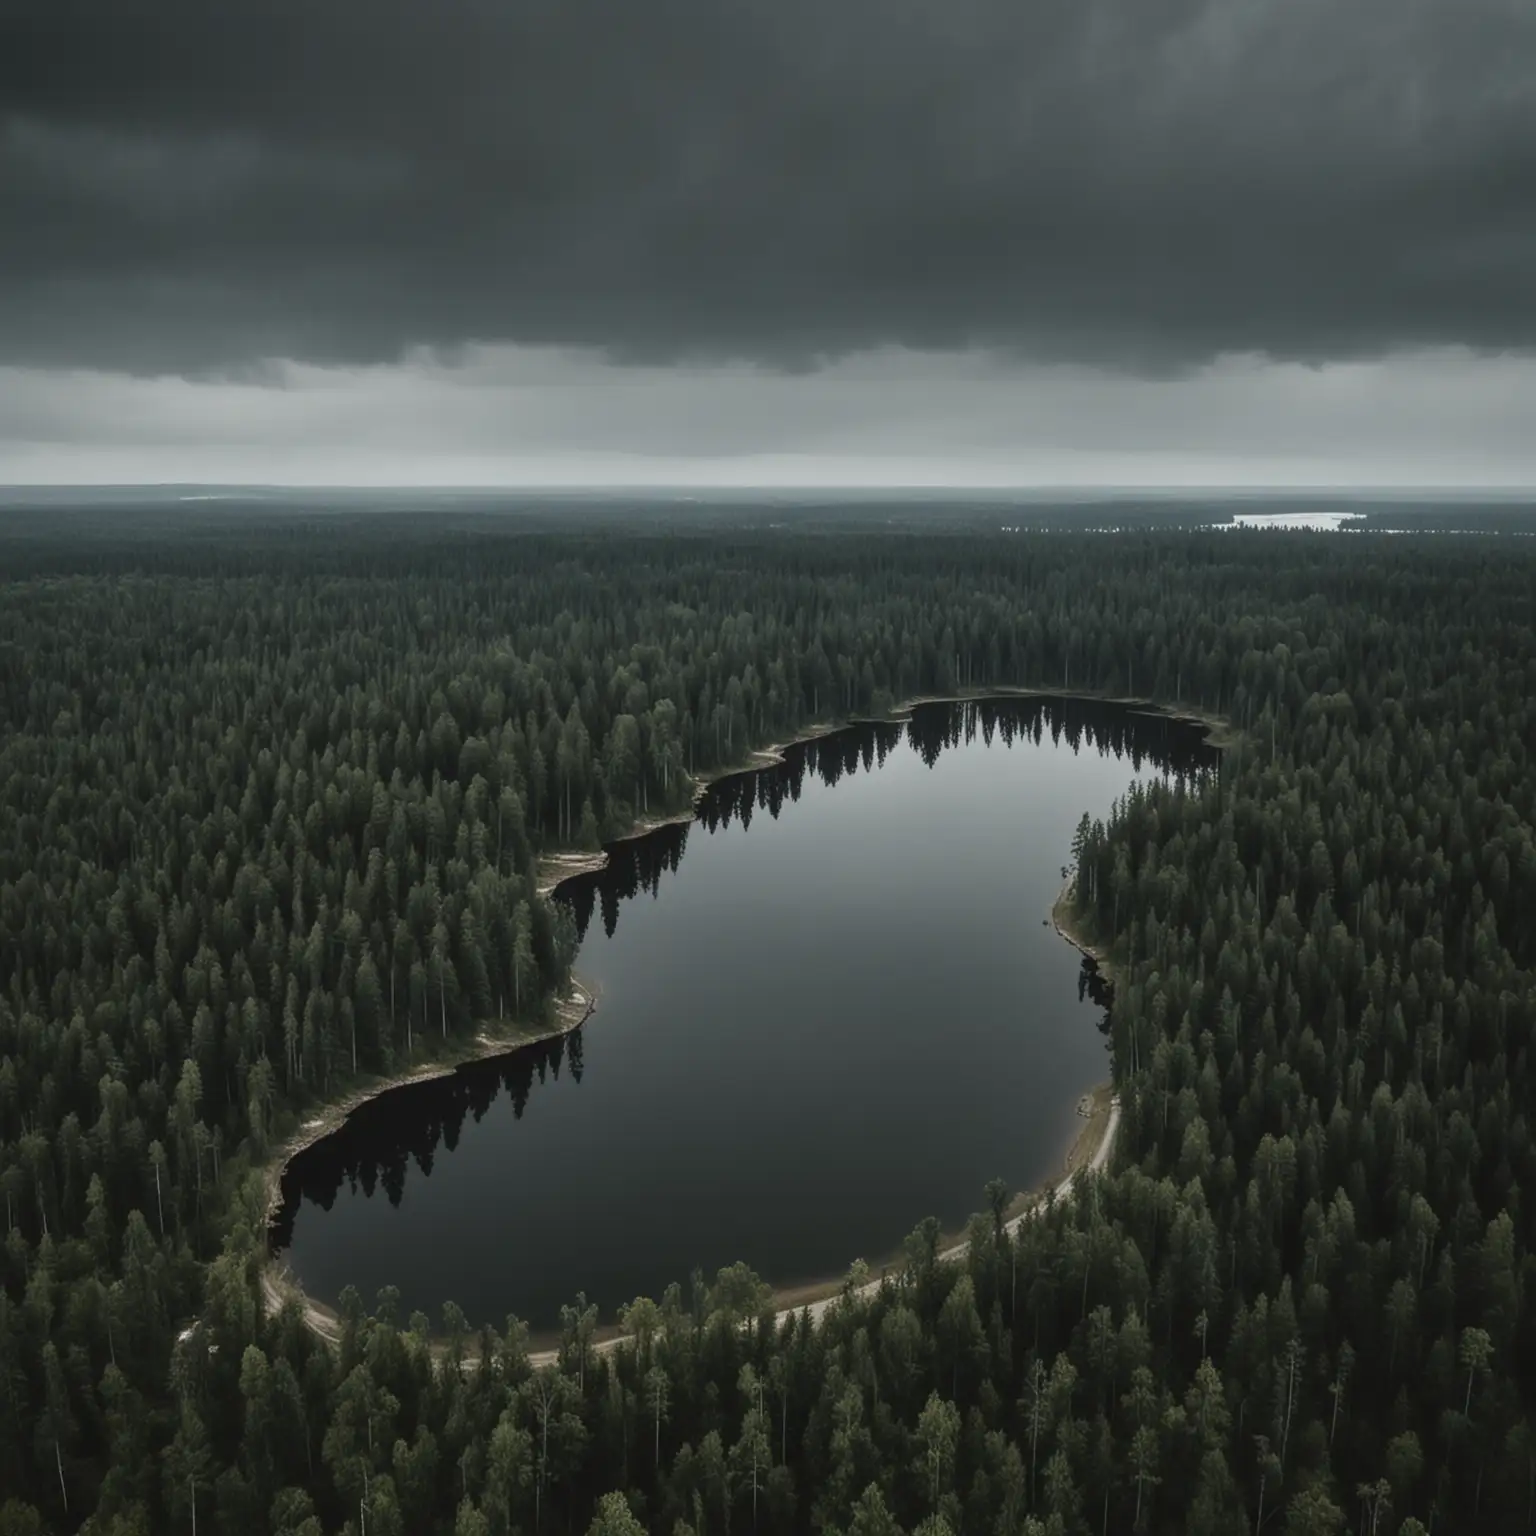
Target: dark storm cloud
1139 183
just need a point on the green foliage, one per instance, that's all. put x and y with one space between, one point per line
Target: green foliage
272 804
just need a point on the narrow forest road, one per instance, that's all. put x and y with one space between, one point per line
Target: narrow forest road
818 1309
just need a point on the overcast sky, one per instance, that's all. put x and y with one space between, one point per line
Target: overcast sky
967 242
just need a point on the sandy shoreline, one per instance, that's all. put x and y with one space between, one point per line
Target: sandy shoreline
960 1250
570 1011
815 1301
556 868
1065 924
1087 1145
278 1284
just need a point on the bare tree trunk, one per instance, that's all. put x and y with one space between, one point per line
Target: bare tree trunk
1290 1403
538 1492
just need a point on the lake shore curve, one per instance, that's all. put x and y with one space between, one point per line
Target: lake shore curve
1092 1143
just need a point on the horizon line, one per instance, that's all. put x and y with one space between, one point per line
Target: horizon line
220 489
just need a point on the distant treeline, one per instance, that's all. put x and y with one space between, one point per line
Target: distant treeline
272 798
227 530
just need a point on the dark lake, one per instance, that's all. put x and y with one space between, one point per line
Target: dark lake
829 1007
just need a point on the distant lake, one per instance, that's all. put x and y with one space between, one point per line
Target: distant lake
828 1007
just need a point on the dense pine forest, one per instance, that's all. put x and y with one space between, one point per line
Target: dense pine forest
274 794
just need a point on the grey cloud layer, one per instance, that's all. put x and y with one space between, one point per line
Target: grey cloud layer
1135 183
509 416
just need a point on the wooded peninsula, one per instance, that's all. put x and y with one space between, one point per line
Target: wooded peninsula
274 793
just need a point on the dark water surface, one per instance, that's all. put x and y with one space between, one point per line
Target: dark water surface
828 1008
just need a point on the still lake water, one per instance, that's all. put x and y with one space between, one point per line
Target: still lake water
828 1007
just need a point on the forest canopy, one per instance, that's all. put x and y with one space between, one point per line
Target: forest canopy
273 802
